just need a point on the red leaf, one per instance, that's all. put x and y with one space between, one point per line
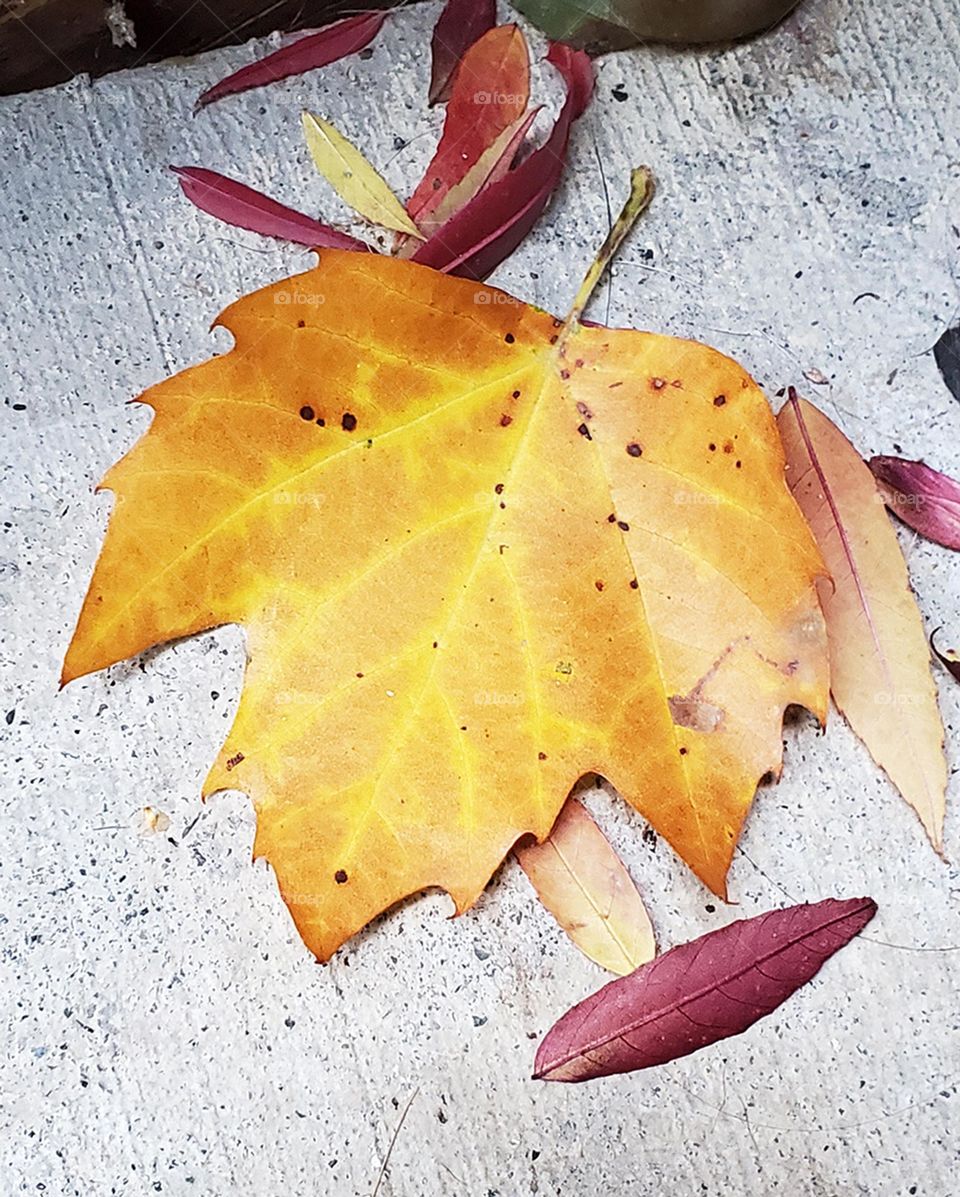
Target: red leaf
920 496
240 205
461 23
699 992
577 71
489 228
305 54
490 92
492 165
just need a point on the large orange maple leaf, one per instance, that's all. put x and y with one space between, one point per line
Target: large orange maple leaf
477 554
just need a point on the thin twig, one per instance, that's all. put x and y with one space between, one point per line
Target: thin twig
393 1141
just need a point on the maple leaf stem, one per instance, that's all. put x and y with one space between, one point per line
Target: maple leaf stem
642 187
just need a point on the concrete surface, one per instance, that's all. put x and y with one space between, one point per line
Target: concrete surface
163 1029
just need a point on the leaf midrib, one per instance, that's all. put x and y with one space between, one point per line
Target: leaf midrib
703 991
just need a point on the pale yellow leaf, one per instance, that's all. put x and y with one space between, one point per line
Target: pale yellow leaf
879 659
353 178
585 886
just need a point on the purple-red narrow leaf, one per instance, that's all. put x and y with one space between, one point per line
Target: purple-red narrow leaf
699 992
491 226
240 205
306 54
460 24
925 499
950 660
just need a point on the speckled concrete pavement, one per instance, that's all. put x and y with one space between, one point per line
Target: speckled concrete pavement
163 1029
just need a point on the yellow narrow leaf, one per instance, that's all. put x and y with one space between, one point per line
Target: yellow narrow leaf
585 886
353 178
879 659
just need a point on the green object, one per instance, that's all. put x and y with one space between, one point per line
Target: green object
600 25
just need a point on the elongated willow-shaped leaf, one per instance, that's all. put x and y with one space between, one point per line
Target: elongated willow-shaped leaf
489 228
460 24
586 887
879 659
353 178
306 54
492 165
490 92
242 206
698 993
925 499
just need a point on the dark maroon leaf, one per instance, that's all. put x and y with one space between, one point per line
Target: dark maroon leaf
476 239
946 353
699 992
306 54
920 496
951 662
240 205
460 24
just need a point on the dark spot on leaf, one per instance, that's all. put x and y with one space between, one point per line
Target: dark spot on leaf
306 413
301 324
598 584
739 465
611 519
634 585
658 383
516 394
623 525
634 449
541 756
728 447
234 761
719 401
678 383
565 374
584 411
505 420
585 431
509 338
340 876
683 752
348 421
498 489
712 447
